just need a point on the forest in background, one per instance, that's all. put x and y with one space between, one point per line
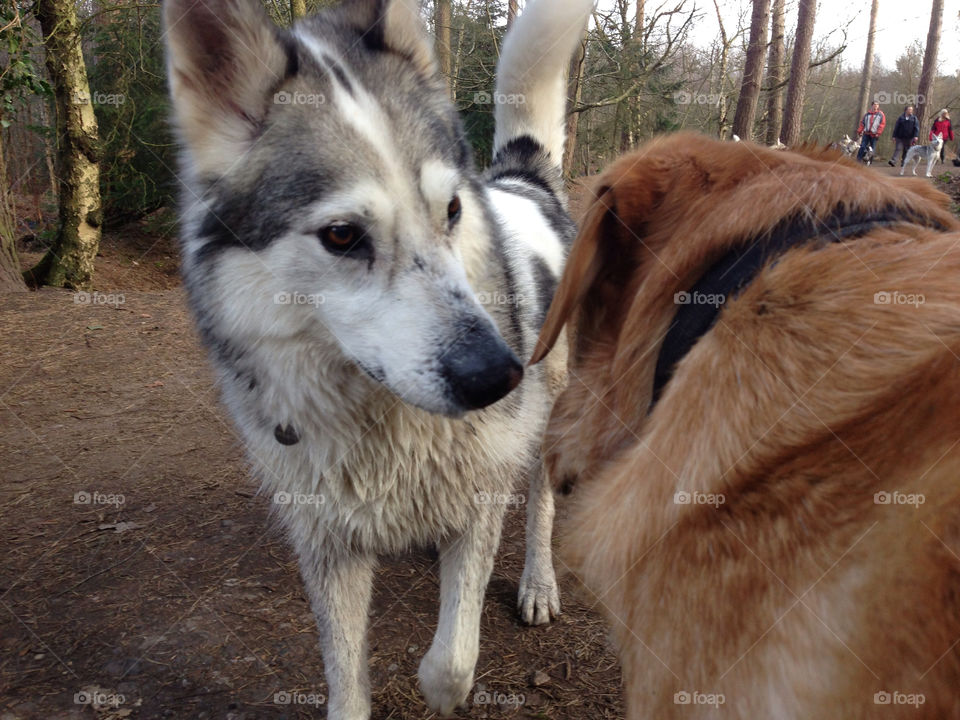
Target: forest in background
86 146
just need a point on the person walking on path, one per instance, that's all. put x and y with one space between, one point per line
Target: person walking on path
943 127
870 128
906 133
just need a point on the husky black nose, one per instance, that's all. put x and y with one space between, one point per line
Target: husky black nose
479 367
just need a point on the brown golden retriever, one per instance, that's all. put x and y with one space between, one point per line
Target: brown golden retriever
775 531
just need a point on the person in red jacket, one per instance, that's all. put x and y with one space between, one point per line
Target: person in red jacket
869 129
943 127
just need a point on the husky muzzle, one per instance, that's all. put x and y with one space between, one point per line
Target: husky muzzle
479 367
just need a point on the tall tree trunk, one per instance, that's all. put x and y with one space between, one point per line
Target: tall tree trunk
10 278
725 44
775 74
929 71
442 19
458 55
512 10
69 262
632 137
298 9
815 130
638 24
49 157
623 120
574 92
867 77
799 69
746 110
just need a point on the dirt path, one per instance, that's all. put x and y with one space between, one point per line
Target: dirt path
183 599
139 562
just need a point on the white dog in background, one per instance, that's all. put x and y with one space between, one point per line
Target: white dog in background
919 153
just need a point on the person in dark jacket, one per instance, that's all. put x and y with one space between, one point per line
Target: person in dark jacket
942 127
906 133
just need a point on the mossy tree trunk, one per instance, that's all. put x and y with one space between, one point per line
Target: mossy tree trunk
69 262
9 264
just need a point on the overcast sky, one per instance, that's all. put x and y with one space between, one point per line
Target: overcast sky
899 23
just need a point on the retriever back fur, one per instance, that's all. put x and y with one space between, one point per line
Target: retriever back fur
819 400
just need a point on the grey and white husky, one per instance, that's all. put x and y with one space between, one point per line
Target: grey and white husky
919 153
366 296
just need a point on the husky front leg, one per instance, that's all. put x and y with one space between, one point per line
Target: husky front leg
338 584
466 561
539 596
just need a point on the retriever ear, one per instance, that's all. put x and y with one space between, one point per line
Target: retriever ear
581 270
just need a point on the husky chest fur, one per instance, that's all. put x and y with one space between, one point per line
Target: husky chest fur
366 297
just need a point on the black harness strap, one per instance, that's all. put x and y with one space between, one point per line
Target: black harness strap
699 308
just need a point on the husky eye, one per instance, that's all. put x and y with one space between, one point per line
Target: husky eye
453 209
345 239
340 235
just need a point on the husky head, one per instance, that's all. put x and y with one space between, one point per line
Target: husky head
937 142
331 198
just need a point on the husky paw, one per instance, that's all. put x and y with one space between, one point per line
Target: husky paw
444 687
539 597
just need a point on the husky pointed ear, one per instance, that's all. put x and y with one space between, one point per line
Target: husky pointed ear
224 59
396 26
405 33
